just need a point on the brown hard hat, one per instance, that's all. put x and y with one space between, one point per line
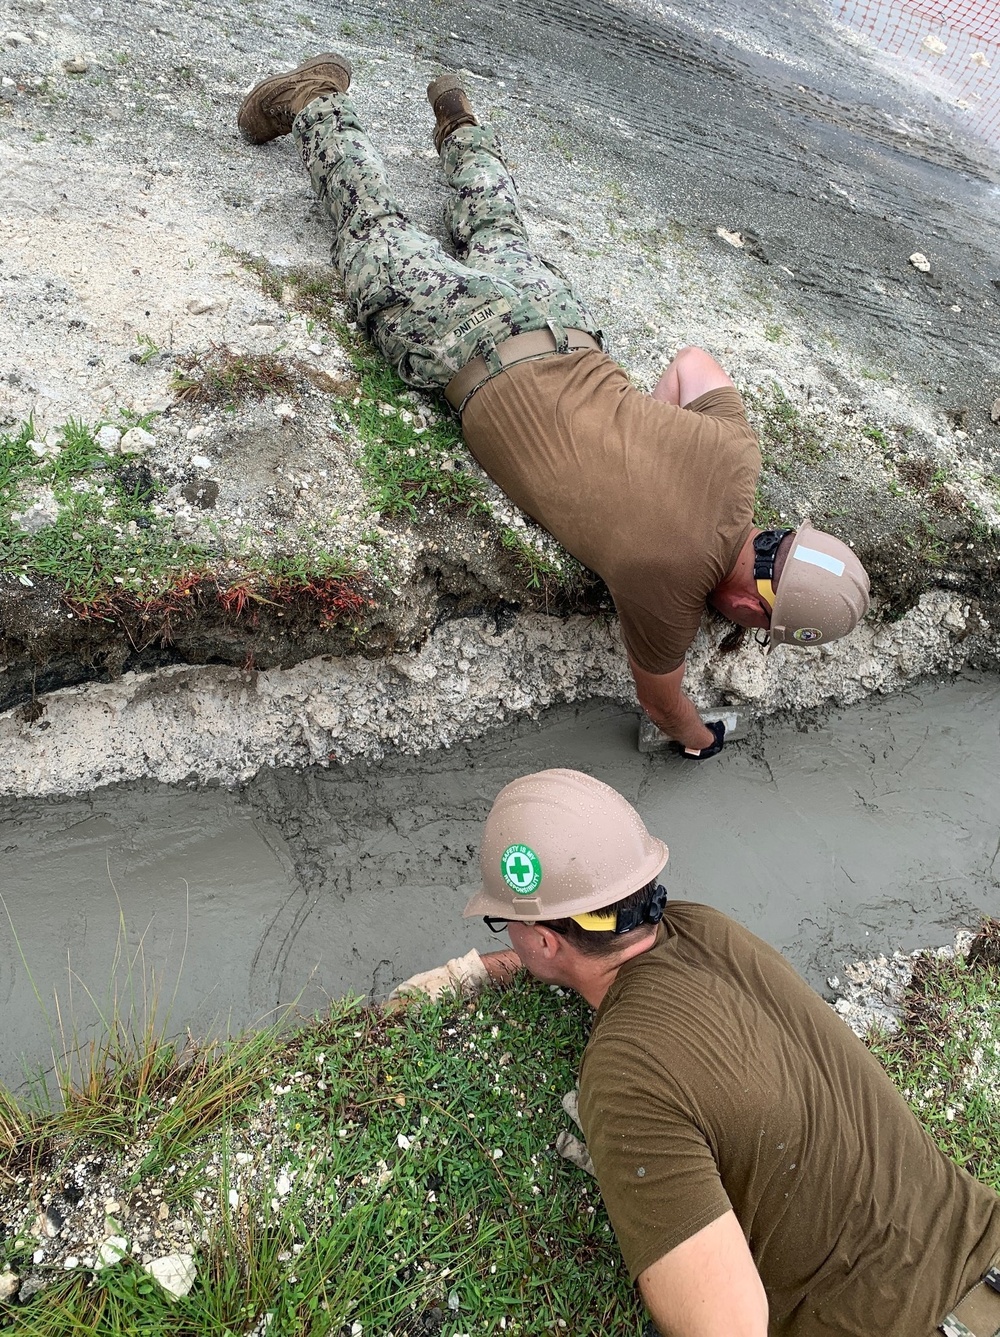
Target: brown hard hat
560 843
823 592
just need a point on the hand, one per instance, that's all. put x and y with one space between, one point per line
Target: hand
462 975
569 1147
718 731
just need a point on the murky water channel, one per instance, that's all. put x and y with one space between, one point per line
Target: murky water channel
871 828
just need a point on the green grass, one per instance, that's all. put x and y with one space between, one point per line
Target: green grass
379 1196
148 349
789 441
126 1080
877 435
355 1175
765 514
106 535
925 540
946 1060
543 571
873 374
107 552
407 470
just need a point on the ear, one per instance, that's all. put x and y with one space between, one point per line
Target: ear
550 944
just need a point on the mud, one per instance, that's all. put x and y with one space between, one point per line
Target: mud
835 838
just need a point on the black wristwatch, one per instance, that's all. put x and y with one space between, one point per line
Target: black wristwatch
718 731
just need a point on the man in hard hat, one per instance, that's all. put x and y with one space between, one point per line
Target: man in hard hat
654 492
762 1173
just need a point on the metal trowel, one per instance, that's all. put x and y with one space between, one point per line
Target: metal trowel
652 740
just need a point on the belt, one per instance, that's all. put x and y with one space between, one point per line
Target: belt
519 348
977 1314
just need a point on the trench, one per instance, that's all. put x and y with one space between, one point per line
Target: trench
834 837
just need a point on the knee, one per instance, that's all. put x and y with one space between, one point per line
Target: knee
691 356
697 372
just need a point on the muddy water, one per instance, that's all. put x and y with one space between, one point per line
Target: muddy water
868 829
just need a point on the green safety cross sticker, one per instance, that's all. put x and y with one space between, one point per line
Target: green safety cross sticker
521 869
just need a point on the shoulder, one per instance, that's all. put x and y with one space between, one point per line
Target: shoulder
715 931
703 963
691 947
692 924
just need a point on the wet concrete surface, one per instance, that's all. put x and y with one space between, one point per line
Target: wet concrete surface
864 830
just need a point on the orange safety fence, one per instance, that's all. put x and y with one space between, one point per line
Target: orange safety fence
952 46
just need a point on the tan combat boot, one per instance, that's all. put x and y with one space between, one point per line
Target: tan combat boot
270 107
452 107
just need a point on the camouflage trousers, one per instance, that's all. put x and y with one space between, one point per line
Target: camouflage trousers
427 312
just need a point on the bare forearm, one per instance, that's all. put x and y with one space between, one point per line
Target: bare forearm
501 966
707 1287
682 723
663 698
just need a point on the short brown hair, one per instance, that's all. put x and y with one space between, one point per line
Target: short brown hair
593 943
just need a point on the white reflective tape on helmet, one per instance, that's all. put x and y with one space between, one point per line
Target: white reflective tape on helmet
816 558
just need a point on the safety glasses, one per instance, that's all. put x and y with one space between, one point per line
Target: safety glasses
494 924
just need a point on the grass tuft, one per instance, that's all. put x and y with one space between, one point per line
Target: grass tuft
222 378
545 571
101 530
788 440
313 289
412 459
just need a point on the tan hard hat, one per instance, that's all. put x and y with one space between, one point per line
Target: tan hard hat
823 592
560 843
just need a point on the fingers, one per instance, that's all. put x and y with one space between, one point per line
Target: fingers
571 1149
571 1104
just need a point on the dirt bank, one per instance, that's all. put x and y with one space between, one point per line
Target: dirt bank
267 499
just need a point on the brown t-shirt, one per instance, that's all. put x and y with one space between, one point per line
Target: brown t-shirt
656 499
716 1078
